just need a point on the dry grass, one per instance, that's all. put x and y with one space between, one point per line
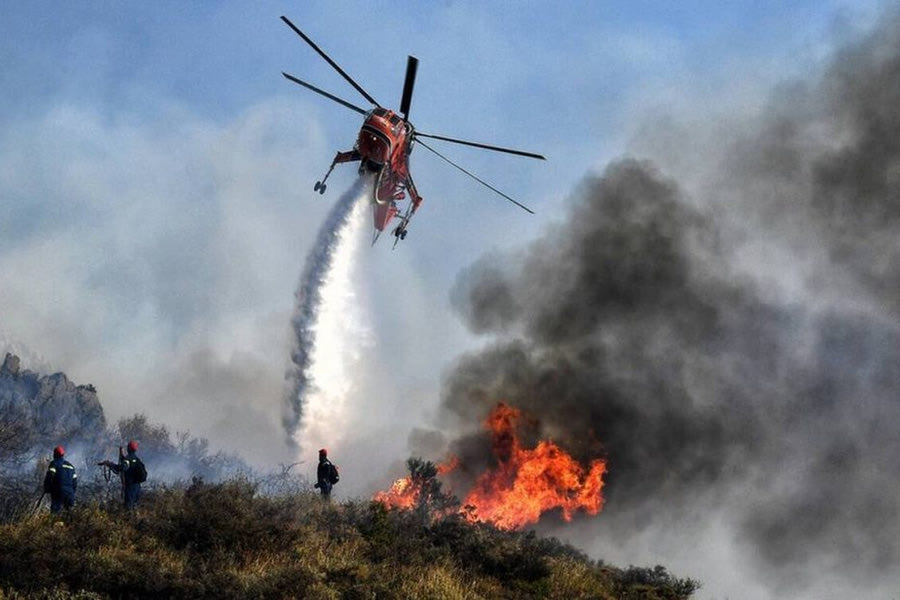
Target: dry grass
225 541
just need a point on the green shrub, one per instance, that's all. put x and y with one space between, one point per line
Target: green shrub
224 540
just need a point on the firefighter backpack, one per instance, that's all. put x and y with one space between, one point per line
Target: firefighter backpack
140 471
333 475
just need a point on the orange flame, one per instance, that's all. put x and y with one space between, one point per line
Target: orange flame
401 495
525 484
405 494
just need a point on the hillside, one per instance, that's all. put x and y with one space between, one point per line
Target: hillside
226 541
39 412
203 531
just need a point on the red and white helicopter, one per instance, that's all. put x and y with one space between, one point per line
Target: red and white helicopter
384 144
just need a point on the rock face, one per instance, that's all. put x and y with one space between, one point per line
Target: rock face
54 408
10 365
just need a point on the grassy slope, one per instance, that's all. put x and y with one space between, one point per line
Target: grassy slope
224 541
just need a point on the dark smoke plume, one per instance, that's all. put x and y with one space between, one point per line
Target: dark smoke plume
630 331
309 297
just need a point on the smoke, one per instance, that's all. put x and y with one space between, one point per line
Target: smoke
326 324
26 355
162 278
39 412
731 347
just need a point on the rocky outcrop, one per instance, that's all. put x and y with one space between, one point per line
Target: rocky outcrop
54 408
10 366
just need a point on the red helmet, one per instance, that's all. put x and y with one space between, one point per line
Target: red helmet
323 452
59 452
132 446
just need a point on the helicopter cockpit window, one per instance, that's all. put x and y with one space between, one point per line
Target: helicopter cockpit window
396 124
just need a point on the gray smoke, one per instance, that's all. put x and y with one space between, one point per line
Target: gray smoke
309 297
39 412
735 348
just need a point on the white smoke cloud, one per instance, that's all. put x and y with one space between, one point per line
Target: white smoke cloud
158 262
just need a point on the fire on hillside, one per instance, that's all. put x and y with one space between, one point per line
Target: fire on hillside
524 484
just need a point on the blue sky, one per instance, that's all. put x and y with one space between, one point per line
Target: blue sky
156 170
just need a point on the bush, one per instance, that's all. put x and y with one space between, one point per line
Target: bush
650 584
225 540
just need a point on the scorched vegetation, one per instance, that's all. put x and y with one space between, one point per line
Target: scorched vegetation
227 540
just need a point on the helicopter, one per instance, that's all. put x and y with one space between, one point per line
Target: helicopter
384 144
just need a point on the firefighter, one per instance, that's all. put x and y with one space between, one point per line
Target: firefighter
60 482
326 475
133 473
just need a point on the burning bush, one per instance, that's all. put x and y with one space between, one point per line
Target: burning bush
421 491
525 484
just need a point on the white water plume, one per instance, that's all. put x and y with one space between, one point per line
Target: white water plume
330 326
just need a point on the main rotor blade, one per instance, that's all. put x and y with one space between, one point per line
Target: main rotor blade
477 145
412 64
482 182
324 93
334 65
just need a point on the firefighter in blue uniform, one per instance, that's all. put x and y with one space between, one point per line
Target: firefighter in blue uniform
133 473
60 482
326 475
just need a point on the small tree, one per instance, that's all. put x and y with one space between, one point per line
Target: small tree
154 439
18 484
17 439
432 502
